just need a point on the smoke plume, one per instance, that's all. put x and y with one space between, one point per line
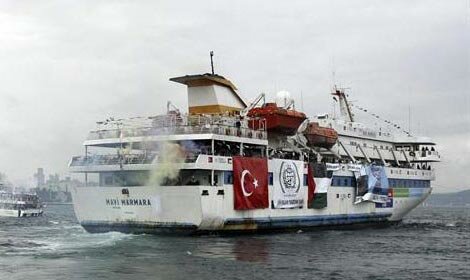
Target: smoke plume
170 160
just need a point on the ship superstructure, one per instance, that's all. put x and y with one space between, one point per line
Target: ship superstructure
227 165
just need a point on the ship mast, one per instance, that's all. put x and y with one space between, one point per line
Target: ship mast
344 106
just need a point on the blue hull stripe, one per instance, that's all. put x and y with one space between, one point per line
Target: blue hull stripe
309 221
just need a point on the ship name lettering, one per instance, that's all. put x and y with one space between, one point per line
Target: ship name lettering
112 202
136 202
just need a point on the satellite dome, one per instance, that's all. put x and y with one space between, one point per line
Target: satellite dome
283 98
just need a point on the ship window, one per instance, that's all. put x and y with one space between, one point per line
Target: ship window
336 181
226 148
346 182
305 180
228 177
271 179
108 180
353 182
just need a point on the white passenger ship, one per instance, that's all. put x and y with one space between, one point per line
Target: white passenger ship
227 166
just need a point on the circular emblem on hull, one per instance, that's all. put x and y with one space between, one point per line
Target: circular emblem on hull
289 178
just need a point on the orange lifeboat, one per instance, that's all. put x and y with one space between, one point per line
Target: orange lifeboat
319 136
276 119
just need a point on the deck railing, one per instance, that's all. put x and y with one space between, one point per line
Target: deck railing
180 124
121 159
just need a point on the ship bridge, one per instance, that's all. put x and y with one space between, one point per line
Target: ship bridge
211 94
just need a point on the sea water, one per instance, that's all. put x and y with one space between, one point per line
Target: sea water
431 243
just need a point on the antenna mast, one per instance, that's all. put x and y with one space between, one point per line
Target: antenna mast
344 106
212 62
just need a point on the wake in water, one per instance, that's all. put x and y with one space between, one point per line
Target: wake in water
48 235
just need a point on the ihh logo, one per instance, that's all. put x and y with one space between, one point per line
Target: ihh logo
289 177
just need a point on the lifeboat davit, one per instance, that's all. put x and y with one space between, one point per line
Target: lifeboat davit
276 119
319 136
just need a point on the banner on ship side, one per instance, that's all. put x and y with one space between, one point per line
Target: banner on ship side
250 183
288 189
372 184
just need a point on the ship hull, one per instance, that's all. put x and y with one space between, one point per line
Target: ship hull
204 209
20 213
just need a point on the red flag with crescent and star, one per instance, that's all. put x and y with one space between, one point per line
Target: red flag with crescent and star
250 183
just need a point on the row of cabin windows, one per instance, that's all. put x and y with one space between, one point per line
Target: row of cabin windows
343 181
346 181
402 183
382 147
366 132
138 178
228 178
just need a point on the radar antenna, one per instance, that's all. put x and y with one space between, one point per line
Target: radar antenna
212 61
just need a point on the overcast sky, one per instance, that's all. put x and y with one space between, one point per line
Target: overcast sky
66 64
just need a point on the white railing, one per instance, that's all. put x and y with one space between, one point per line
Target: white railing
93 160
182 124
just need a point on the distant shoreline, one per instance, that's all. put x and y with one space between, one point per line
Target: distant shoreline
57 203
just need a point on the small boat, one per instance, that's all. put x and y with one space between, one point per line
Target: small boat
319 136
275 119
20 205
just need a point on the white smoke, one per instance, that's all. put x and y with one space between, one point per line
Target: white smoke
169 161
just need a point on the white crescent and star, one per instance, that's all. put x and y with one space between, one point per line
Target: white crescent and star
255 182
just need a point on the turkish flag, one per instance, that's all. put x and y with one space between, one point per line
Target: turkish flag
311 185
250 183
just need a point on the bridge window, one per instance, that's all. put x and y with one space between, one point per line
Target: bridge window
228 177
